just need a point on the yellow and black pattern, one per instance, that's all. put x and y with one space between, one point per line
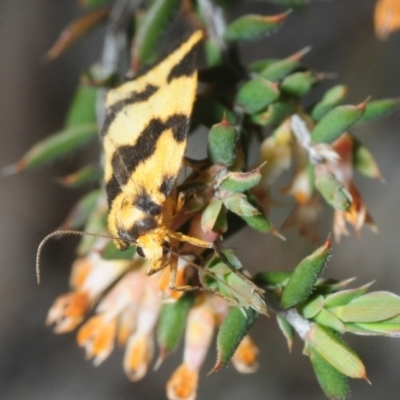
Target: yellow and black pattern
145 134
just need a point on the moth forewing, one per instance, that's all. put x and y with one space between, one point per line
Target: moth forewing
145 134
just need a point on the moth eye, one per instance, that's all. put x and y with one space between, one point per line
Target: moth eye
166 247
139 250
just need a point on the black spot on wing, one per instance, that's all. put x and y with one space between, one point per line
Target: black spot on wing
135 97
187 66
144 202
138 228
126 158
167 185
179 123
113 188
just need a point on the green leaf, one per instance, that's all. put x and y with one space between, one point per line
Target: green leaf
172 322
278 69
233 329
379 108
252 26
53 147
209 111
81 211
76 30
83 107
330 100
329 320
222 143
96 223
241 181
312 307
345 296
336 352
258 222
271 278
333 383
274 114
331 189
299 83
235 287
371 307
152 28
86 175
336 122
257 94
364 162
287 330
238 204
304 277
210 215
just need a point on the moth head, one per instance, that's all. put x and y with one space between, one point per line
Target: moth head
127 222
155 248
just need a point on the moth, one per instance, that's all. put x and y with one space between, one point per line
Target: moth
145 136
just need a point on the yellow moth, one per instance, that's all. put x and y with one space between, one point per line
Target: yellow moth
145 135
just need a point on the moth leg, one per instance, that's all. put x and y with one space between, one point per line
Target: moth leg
173 277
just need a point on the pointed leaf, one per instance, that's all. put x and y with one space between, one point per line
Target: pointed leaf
210 215
364 162
379 108
53 147
333 383
298 84
312 307
83 107
345 296
336 352
233 329
371 307
304 277
331 189
252 26
329 320
86 175
241 181
222 143
330 100
235 287
275 71
237 203
76 30
257 94
171 323
274 114
152 28
287 331
336 122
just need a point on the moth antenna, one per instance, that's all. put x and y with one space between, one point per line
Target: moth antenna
58 233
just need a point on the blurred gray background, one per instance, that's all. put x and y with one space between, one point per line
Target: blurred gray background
35 363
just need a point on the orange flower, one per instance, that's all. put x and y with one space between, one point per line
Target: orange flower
357 215
245 357
387 17
68 311
199 332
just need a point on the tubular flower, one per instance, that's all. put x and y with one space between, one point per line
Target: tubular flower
357 215
387 17
199 332
128 304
